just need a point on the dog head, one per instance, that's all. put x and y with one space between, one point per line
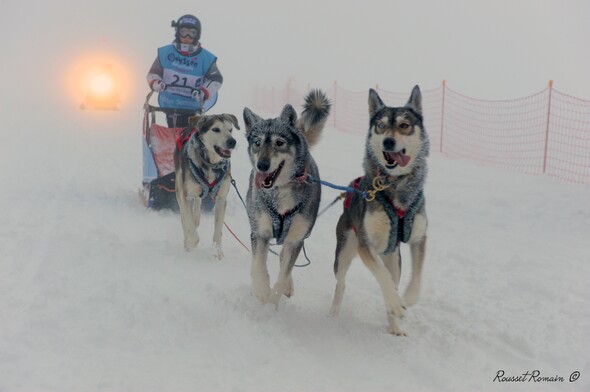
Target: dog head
277 149
397 139
214 133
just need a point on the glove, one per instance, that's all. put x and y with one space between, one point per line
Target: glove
200 95
158 86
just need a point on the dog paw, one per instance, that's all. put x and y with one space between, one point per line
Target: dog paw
191 242
262 293
275 297
397 310
289 290
217 251
393 328
334 311
411 297
396 331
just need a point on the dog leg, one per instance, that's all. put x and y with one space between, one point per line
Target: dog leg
290 290
220 206
393 263
185 211
412 293
191 222
289 255
392 301
346 249
259 271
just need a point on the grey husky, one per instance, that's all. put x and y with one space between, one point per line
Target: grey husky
388 206
281 203
202 162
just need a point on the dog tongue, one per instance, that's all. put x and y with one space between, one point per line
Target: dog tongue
259 179
401 159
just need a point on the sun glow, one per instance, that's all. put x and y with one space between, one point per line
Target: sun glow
102 84
98 79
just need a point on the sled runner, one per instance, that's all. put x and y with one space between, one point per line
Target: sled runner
158 143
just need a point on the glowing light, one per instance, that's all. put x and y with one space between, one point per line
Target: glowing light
98 80
102 84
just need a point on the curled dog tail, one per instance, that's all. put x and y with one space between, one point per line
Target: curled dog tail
315 112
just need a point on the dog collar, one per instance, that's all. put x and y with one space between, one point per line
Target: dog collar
181 141
301 178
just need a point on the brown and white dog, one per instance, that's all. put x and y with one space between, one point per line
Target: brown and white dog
203 170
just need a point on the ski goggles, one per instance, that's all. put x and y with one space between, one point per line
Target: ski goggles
184 33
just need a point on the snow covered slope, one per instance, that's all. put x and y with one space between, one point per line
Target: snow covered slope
97 293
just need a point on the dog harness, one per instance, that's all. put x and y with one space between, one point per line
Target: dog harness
400 226
282 222
400 221
181 141
210 189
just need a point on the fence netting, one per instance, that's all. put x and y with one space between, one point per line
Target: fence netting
568 144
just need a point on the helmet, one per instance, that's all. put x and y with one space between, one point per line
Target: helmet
187 21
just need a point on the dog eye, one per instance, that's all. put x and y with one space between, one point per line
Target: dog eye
404 125
280 143
257 143
216 130
381 126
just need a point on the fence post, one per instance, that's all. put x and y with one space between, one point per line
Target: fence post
442 114
334 104
547 128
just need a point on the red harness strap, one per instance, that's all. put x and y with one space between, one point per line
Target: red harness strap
398 211
181 141
348 200
355 185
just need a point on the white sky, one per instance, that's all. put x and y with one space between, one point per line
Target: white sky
486 49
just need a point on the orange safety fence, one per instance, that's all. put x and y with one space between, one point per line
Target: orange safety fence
544 133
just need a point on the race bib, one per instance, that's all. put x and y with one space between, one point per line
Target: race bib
181 83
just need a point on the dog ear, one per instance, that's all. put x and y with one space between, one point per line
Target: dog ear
415 101
203 124
250 119
375 103
193 120
289 115
232 119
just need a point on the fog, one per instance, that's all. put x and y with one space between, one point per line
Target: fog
97 292
490 50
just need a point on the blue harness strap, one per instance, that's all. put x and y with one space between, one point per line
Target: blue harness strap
347 189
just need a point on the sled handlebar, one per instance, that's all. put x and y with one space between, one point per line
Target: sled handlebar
151 108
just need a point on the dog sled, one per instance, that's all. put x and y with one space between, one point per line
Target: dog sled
158 144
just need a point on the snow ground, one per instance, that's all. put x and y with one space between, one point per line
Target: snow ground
97 293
